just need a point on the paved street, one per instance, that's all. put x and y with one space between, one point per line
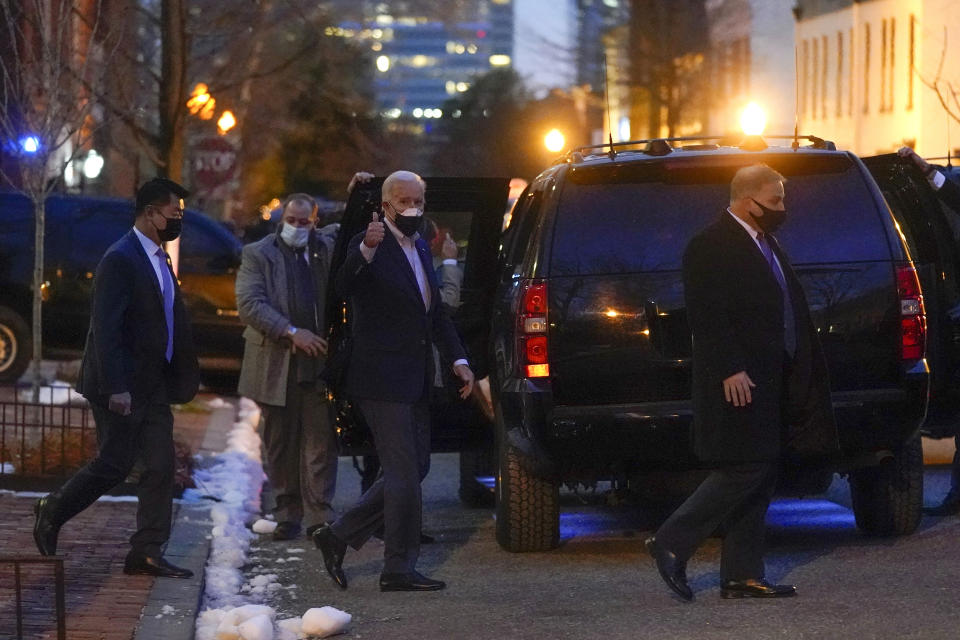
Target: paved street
600 583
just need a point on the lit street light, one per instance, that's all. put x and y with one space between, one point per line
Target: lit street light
201 102
554 141
753 120
226 122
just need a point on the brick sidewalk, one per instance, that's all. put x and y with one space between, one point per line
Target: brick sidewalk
102 602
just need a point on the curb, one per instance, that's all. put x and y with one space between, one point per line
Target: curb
188 547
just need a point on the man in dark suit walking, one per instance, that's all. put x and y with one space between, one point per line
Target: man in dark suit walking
388 278
760 395
139 359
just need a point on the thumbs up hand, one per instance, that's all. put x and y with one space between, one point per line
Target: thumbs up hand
375 231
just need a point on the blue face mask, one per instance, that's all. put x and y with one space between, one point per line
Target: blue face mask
295 237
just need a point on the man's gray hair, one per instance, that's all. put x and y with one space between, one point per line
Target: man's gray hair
748 181
400 176
302 198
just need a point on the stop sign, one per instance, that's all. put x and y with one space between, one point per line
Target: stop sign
214 162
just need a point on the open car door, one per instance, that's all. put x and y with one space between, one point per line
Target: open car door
471 210
932 231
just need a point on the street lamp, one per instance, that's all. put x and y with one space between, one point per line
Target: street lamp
554 141
201 102
226 122
753 120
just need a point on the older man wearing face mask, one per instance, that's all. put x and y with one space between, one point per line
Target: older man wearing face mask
388 277
281 289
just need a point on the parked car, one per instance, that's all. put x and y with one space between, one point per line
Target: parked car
590 369
79 230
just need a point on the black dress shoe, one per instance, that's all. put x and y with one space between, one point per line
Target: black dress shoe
159 567
949 507
333 549
756 589
412 581
672 570
45 532
286 531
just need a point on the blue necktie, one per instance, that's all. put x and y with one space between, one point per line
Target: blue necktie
167 299
789 322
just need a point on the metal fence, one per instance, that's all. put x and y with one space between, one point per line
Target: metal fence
60 609
44 440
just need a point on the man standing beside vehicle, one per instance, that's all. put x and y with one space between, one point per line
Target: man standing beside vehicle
281 292
949 192
760 392
388 278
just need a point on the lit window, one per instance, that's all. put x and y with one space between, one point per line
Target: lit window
462 86
383 64
499 60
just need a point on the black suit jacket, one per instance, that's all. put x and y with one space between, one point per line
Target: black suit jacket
127 341
393 334
735 310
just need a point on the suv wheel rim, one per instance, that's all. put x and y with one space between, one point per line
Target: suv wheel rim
8 347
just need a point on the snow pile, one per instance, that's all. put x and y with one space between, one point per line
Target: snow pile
258 622
264 526
325 621
7 467
218 403
58 392
235 477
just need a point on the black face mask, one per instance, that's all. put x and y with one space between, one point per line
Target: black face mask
408 225
171 231
771 220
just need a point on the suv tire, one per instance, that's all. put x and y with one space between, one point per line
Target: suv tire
16 345
888 498
528 507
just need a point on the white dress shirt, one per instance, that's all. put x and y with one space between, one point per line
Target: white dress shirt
156 261
936 180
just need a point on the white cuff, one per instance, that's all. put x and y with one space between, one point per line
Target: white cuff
450 261
936 180
461 361
367 252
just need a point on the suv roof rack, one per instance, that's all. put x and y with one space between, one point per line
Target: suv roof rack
662 146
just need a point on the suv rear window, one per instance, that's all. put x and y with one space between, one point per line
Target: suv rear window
639 217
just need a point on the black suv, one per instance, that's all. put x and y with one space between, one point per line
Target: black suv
590 361
78 232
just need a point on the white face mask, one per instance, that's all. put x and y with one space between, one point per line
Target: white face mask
296 237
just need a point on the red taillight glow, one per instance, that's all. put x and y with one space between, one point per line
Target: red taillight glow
538 371
536 350
913 323
535 299
532 329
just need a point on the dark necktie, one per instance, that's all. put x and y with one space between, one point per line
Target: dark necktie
306 297
789 321
165 273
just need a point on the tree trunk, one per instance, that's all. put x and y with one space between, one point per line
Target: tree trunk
39 211
172 97
173 88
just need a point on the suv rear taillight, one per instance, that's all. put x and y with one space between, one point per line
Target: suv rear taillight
532 330
913 324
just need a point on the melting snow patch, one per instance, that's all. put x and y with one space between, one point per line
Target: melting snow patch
219 403
58 392
264 526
